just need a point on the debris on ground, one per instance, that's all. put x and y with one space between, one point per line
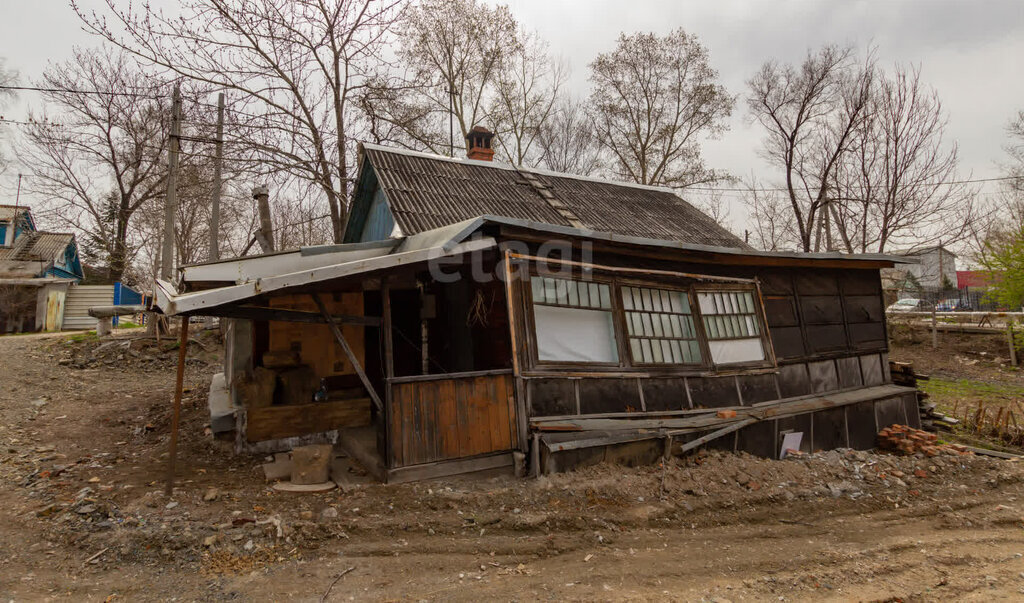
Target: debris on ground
904 439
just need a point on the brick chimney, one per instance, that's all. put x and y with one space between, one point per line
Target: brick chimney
480 144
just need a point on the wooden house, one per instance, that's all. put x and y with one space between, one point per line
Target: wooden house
483 316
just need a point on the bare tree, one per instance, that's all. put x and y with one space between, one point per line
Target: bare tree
452 51
567 141
7 78
898 182
653 100
771 218
526 93
811 113
100 159
297 67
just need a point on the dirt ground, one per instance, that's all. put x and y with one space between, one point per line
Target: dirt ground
82 461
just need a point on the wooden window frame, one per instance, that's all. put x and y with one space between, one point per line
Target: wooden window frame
626 362
759 316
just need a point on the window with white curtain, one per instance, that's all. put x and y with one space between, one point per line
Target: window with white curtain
732 326
573 321
660 326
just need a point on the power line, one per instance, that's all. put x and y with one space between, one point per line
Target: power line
784 190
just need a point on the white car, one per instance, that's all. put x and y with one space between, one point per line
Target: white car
909 304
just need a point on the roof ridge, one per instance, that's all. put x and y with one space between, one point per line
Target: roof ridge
501 165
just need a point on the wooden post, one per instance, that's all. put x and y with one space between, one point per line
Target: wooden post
176 411
340 338
935 330
1009 338
389 368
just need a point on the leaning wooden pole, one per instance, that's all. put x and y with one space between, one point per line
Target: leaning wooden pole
176 412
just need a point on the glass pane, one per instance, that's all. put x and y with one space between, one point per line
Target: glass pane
634 349
606 298
655 300
645 345
562 291
646 299
704 302
666 325
595 295
648 329
537 285
638 323
629 323
549 291
677 329
666 350
584 295
656 348
656 323
694 351
574 295
627 298
677 353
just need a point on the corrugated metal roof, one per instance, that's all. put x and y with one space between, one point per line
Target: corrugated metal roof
429 191
34 247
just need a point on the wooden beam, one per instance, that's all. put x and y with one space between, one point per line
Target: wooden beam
283 315
176 411
340 338
714 435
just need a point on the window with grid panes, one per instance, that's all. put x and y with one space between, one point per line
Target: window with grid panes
732 326
660 326
573 320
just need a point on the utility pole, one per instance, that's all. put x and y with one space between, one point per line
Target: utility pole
171 203
218 158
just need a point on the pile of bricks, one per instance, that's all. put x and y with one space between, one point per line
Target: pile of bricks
903 439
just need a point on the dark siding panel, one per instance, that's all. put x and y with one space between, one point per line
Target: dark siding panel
868 336
829 429
776 283
788 342
551 397
849 372
889 412
821 310
713 392
871 369
860 422
609 395
757 388
758 439
864 308
665 394
826 338
781 312
823 376
793 380
862 282
817 282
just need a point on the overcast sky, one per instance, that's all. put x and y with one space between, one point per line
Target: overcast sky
970 51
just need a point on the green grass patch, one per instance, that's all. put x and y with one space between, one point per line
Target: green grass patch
962 388
80 337
127 324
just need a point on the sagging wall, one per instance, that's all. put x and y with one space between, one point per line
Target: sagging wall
826 325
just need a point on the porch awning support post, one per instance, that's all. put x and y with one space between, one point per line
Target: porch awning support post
340 338
176 411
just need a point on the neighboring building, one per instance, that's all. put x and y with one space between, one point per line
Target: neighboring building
37 268
488 311
973 279
935 267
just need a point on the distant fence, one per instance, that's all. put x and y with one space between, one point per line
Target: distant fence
991 323
967 299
